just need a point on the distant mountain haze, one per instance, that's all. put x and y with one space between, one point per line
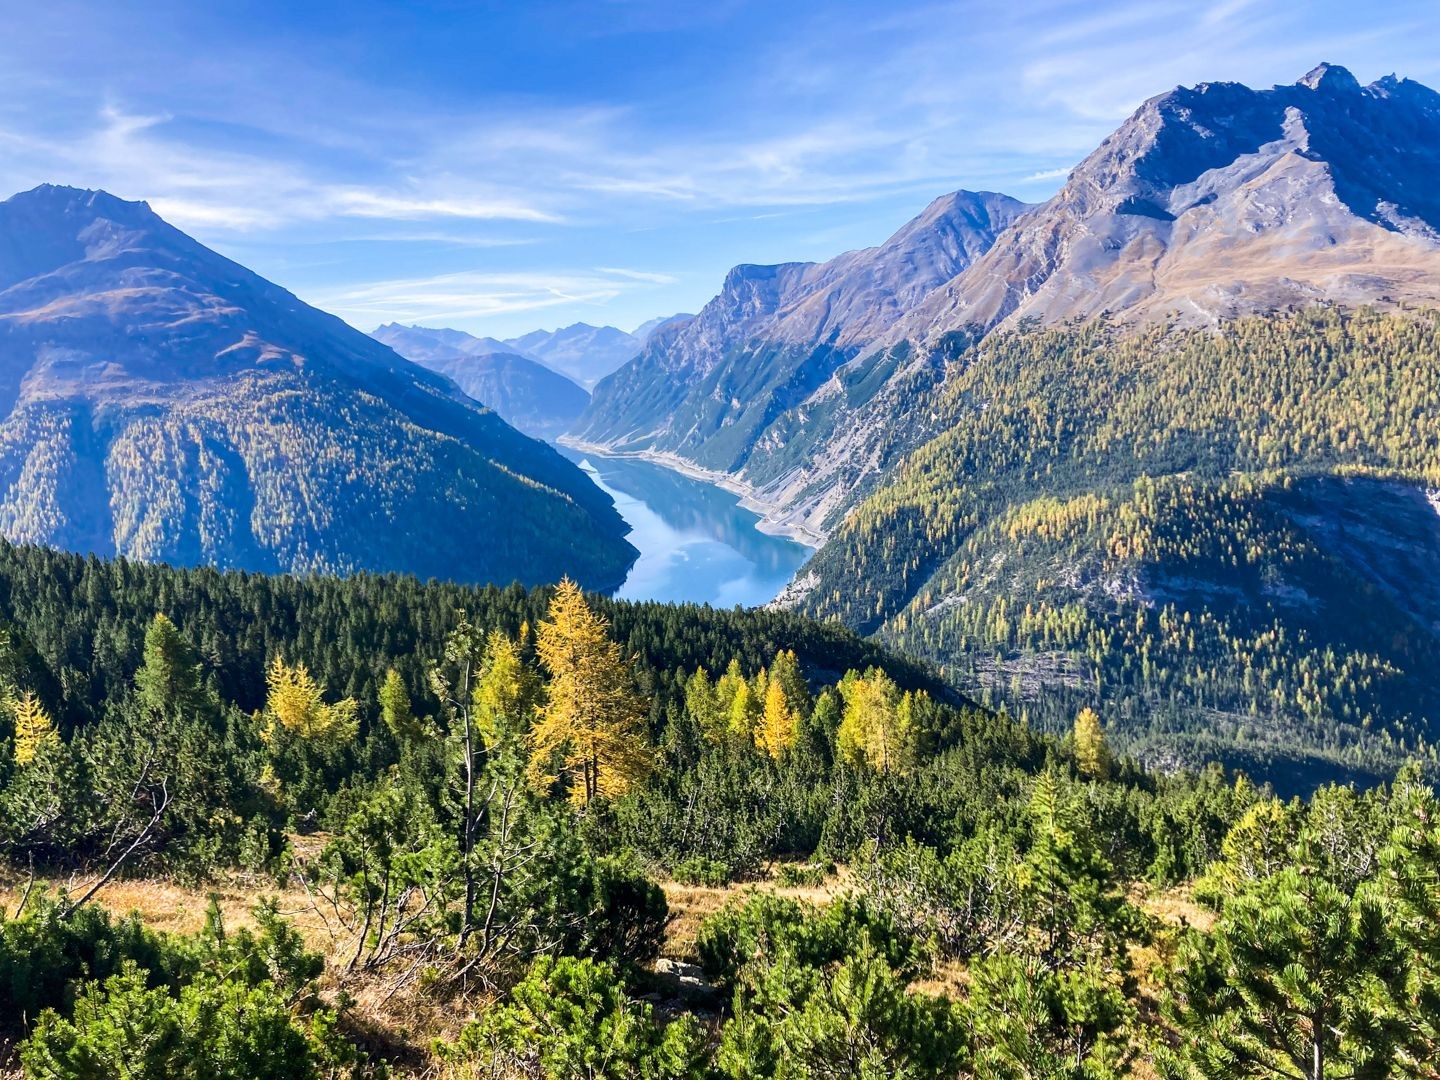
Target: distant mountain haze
584 354
644 331
540 402
527 394
580 352
422 344
162 402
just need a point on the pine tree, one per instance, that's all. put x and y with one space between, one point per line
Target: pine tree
591 732
168 681
507 693
1296 979
395 708
743 714
33 728
786 671
703 704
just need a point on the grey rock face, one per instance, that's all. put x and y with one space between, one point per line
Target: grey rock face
1220 200
777 333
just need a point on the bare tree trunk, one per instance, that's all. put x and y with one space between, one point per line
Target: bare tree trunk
143 835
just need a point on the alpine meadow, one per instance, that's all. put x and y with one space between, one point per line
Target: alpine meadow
395 677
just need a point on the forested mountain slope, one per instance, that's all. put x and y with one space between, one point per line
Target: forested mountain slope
80 623
162 402
1167 443
1227 539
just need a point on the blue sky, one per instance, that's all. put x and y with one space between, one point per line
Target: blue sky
504 166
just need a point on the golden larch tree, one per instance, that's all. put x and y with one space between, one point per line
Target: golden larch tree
591 732
878 726
1092 753
33 727
296 701
779 725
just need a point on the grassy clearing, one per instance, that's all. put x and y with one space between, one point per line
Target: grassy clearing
403 1027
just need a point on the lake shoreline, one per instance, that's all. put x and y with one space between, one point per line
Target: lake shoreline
807 538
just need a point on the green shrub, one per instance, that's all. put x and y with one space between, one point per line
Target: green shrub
698 870
792 876
627 914
572 1018
214 1028
857 1019
44 956
765 928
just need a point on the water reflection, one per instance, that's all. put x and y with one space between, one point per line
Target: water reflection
696 542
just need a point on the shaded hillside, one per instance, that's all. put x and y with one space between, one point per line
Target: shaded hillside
162 402
1227 540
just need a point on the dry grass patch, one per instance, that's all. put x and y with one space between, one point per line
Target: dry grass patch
691 905
165 905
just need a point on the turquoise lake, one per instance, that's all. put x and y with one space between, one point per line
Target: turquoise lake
697 544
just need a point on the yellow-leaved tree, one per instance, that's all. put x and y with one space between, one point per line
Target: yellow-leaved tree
779 724
591 731
296 702
1092 753
786 705
878 727
33 727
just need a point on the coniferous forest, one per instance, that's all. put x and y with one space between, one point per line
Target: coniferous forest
491 832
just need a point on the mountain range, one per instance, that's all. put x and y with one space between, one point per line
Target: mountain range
162 402
1208 203
1163 442
582 353
738 379
537 382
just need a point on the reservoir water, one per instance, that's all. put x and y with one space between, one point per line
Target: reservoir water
697 544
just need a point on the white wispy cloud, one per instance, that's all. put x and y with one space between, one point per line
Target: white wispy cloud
1048 174
136 155
648 276
473 295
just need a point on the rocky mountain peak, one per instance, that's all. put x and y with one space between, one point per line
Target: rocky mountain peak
1330 78
1218 199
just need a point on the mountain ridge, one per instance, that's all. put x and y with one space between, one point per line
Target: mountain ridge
777 334
166 403
1216 201
1179 214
